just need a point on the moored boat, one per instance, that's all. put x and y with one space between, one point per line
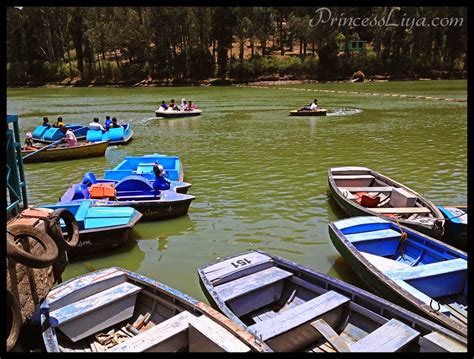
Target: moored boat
143 166
116 136
132 191
317 112
100 228
407 267
455 225
116 310
176 114
52 134
294 308
63 152
360 191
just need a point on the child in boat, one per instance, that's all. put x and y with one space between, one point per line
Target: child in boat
114 124
107 123
160 182
59 122
46 122
29 142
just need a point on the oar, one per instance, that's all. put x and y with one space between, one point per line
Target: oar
51 144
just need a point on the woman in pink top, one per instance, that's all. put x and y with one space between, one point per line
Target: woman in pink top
69 136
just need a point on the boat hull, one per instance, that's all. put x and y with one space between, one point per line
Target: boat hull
67 153
177 114
321 112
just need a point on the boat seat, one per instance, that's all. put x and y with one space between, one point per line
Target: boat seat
134 183
382 242
296 316
401 210
437 342
251 283
330 335
434 279
337 177
390 337
156 338
382 263
368 189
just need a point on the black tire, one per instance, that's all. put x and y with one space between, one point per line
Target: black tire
14 320
17 232
53 228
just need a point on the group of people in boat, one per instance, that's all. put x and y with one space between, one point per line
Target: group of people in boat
69 135
171 106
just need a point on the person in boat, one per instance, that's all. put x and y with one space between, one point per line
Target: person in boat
69 136
171 105
95 125
29 143
59 122
46 122
115 124
163 106
191 106
107 123
183 104
161 182
312 107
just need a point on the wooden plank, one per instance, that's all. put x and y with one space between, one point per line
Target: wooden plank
346 177
330 335
437 342
93 302
428 270
299 315
263 315
400 210
251 283
205 335
368 189
421 296
350 170
151 339
373 235
383 264
217 272
390 337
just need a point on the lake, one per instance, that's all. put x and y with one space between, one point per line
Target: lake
259 175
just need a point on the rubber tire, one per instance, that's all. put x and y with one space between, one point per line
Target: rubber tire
26 258
16 320
72 228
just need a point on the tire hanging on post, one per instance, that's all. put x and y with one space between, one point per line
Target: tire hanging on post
18 232
53 228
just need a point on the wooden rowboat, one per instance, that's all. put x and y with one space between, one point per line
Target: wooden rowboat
115 310
63 152
294 308
416 271
177 114
360 191
317 112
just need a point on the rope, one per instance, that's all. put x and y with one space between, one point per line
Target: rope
403 238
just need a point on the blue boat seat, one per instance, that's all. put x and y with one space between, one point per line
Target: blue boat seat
93 302
89 178
382 242
298 315
94 135
434 279
134 183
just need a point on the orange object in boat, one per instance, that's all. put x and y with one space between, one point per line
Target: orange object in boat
102 190
369 201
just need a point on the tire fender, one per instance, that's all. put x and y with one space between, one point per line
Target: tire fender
53 228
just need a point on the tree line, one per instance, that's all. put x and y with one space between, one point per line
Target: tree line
130 44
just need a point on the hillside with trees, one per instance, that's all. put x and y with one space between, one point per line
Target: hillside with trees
179 45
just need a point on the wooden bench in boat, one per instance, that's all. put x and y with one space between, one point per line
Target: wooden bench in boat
373 235
339 177
390 337
205 335
383 264
428 270
169 335
251 283
299 315
437 342
368 189
387 241
96 312
401 210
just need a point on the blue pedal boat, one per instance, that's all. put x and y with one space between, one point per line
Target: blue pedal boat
291 308
455 226
116 136
406 267
133 191
100 228
116 310
143 166
51 134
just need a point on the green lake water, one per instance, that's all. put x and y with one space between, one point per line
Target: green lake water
259 175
